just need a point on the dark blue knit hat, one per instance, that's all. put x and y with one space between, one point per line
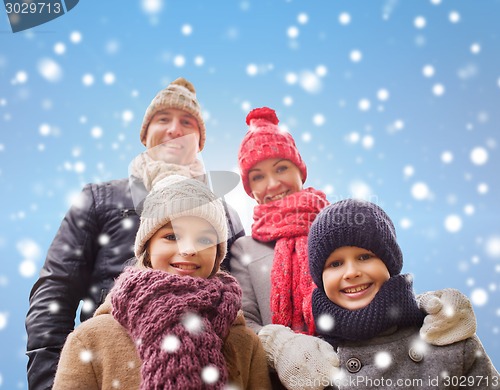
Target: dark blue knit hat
352 222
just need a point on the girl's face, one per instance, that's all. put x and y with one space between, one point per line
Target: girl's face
352 277
184 246
273 179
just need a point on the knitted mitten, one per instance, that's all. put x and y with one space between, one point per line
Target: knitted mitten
301 361
450 317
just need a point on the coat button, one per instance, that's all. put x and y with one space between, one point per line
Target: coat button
415 355
353 365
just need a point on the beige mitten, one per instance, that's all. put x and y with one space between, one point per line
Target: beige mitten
301 361
450 317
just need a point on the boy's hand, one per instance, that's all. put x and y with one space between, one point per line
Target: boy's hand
301 361
450 317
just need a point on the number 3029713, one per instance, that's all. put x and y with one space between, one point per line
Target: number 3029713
33 8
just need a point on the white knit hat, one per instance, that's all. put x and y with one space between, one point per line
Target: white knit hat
179 94
177 196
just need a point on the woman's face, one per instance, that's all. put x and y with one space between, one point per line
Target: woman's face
273 179
184 246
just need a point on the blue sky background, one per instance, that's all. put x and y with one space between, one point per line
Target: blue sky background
394 101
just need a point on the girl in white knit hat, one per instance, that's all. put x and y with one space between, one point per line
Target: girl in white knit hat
173 320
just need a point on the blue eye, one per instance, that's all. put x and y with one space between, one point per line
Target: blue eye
335 264
257 177
206 241
171 237
281 168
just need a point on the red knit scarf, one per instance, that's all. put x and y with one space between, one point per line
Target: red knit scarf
287 221
155 308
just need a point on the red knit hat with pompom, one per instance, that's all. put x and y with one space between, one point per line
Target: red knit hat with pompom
265 140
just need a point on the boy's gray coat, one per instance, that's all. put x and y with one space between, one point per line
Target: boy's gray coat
396 357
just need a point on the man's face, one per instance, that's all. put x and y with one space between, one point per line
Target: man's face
178 134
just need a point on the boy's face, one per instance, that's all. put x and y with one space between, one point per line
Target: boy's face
352 277
184 246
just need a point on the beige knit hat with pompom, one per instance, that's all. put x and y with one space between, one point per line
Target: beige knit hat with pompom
180 94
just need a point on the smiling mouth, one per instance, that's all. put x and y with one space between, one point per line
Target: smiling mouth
352 290
173 146
276 197
185 267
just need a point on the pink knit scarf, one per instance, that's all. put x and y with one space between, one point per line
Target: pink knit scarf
178 324
287 221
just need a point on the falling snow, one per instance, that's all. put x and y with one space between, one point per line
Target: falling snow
383 360
86 356
419 190
170 344
193 323
479 297
479 156
210 374
325 322
401 116
3 320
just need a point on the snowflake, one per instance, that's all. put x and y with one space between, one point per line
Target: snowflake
453 223
447 157
187 29
319 119
103 239
428 71
292 32
86 356
364 104
493 246
27 268
252 69
170 343
88 306
3 320
419 22
109 78
479 297
344 18
210 374
321 70
302 18
325 322
368 141
310 82
356 55
383 359
479 156
420 191
193 323
383 94
50 70
454 17
54 307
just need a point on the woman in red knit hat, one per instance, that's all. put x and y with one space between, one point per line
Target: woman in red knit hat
272 265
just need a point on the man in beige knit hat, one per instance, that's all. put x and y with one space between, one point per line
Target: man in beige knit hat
97 236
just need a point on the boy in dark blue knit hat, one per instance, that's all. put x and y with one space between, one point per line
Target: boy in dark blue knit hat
367 310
